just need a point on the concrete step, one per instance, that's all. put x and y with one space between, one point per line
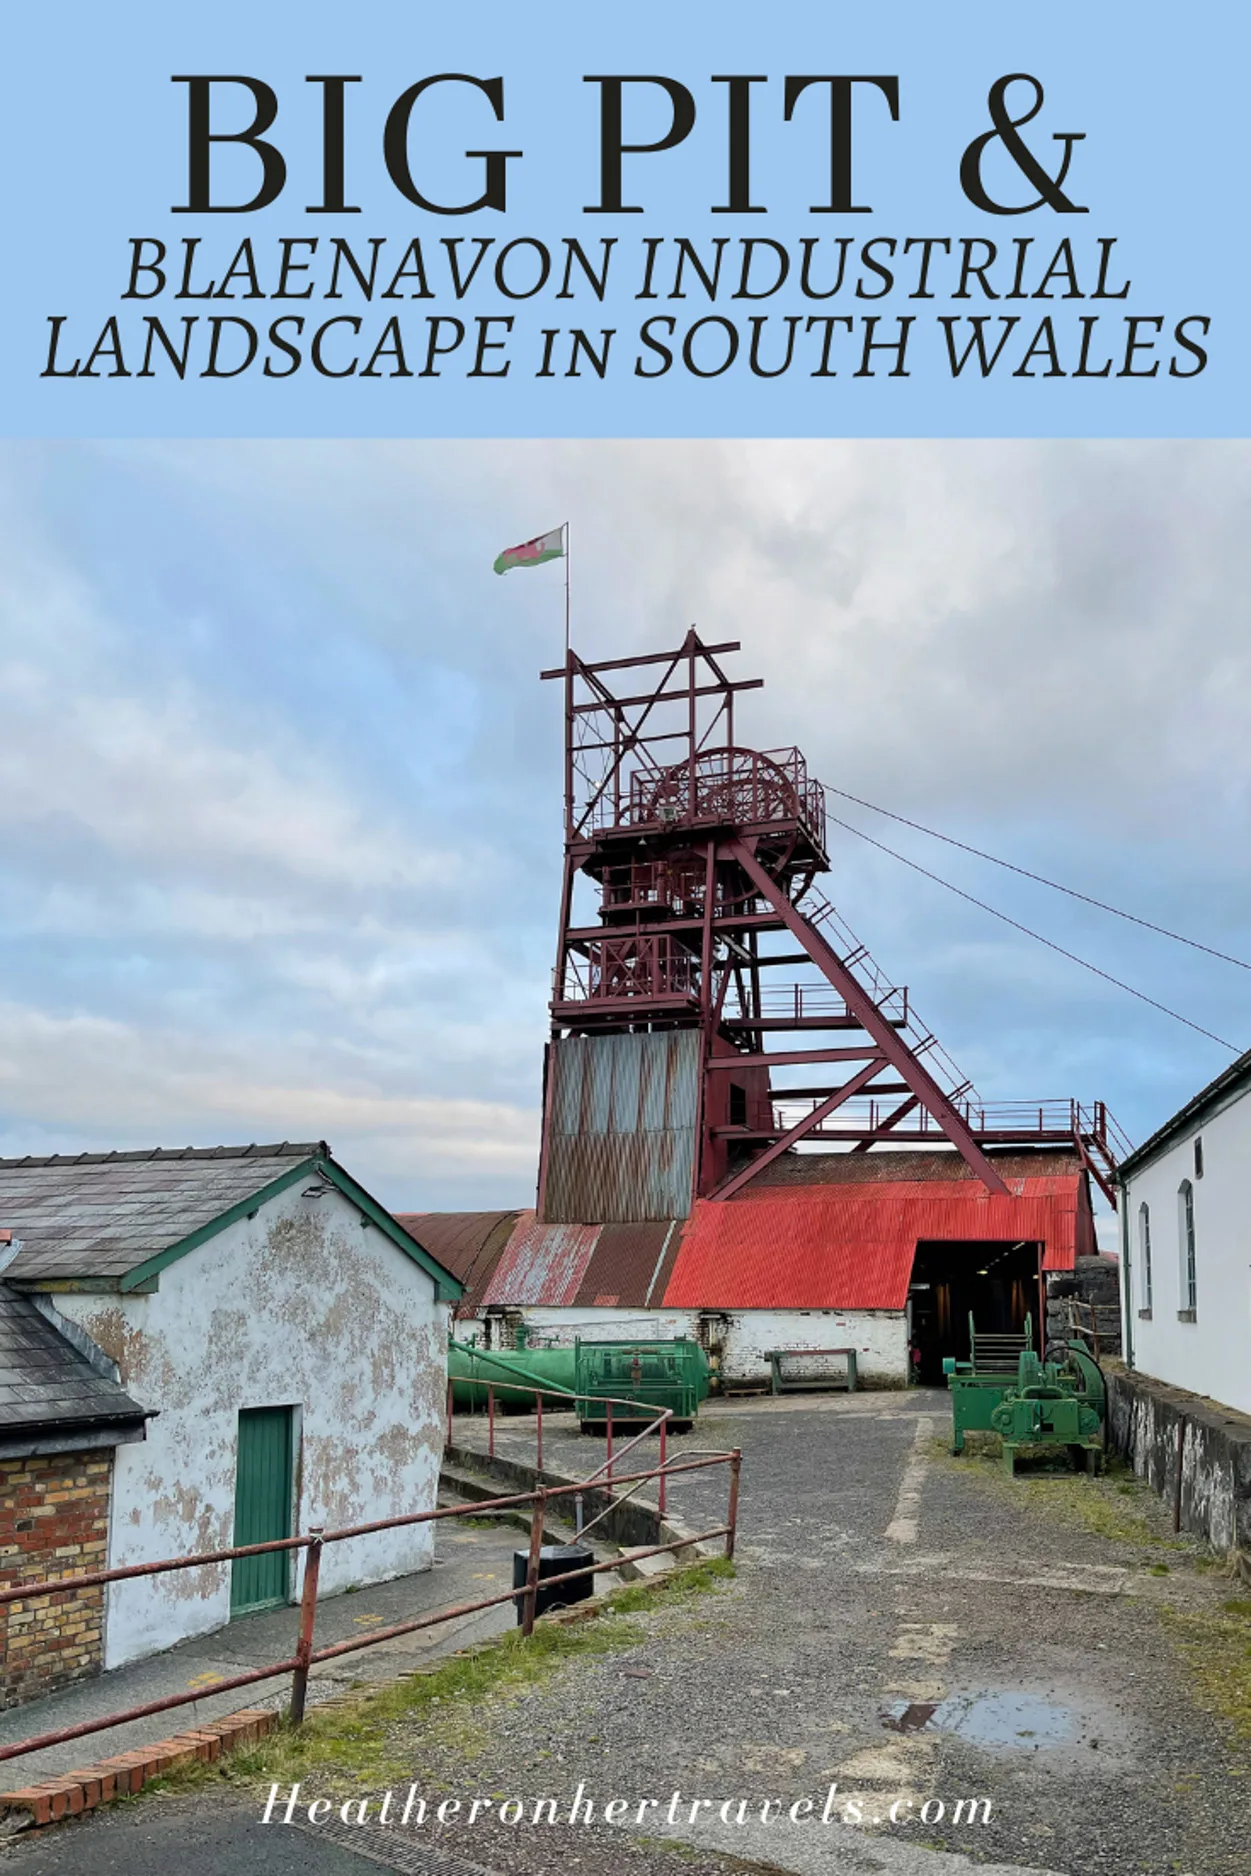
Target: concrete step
458 1486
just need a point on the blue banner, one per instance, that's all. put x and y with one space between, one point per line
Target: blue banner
708 220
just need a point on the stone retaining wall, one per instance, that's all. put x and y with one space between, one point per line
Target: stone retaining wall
1146 1423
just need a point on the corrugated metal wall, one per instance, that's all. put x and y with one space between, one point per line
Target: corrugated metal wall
621 1146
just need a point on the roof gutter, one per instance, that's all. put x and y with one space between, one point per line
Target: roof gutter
1202 1107
75 1437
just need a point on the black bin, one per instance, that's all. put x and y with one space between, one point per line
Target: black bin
554 1560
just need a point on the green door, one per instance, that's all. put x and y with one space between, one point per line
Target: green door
262 1507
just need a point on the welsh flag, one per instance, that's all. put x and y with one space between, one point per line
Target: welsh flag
533 553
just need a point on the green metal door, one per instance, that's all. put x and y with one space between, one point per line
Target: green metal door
262 1507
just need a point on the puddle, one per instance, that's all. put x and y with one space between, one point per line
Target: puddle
912 1718
1024 1722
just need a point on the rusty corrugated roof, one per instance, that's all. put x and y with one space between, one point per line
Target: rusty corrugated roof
468 1244
924 1165
630 1264
541 1263
826 1247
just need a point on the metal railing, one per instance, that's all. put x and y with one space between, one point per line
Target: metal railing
506 1386
661 1426
314 1541
798 1000
1023 1120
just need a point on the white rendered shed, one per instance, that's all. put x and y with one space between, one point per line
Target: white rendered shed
287 1337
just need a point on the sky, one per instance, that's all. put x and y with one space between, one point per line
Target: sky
280 788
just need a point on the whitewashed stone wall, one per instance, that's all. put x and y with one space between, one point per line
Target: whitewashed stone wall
298 1306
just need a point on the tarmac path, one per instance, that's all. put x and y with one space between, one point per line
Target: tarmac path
909 1628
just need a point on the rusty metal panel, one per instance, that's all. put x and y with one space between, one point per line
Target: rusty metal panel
542 1263
621 1144
469 1244
820 1247
912 1166
629 1264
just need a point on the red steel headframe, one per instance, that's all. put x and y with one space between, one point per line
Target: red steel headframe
703 855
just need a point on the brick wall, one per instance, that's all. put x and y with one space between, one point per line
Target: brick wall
54 1513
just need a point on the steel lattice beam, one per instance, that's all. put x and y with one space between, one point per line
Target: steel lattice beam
857 999
858 1081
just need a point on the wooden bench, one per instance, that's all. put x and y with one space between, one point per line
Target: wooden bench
781 1386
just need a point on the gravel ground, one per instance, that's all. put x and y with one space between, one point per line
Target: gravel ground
878 1580
1042 1636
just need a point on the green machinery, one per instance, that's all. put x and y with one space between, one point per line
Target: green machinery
472 1370
654 1374
1054 1404
980 1384
1045 1403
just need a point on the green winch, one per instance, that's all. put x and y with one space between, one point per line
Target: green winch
980 1384
1048 1403
1054 1403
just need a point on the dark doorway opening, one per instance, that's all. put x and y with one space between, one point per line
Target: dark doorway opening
995 1282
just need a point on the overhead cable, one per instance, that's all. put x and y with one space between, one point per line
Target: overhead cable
1040 879
1037 936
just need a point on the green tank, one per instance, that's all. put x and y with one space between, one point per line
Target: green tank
471 1370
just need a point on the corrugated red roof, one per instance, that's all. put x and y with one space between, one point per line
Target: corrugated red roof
852 1247
542 1263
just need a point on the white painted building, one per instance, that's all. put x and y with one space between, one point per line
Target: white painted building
1186 1248
287 1338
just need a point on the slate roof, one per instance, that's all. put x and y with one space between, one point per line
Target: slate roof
45 1384
103 1214
1229 1085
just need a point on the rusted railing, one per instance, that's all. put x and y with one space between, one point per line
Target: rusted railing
314 1541
506 1385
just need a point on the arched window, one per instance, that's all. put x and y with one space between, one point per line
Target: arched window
1186 1233
1144 1252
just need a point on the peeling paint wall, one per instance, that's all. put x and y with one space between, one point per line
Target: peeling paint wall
1153 1426
563 1326
297 1306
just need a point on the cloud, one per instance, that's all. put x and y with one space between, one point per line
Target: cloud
278 781
62 1073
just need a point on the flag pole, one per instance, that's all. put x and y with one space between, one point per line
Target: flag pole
566 528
